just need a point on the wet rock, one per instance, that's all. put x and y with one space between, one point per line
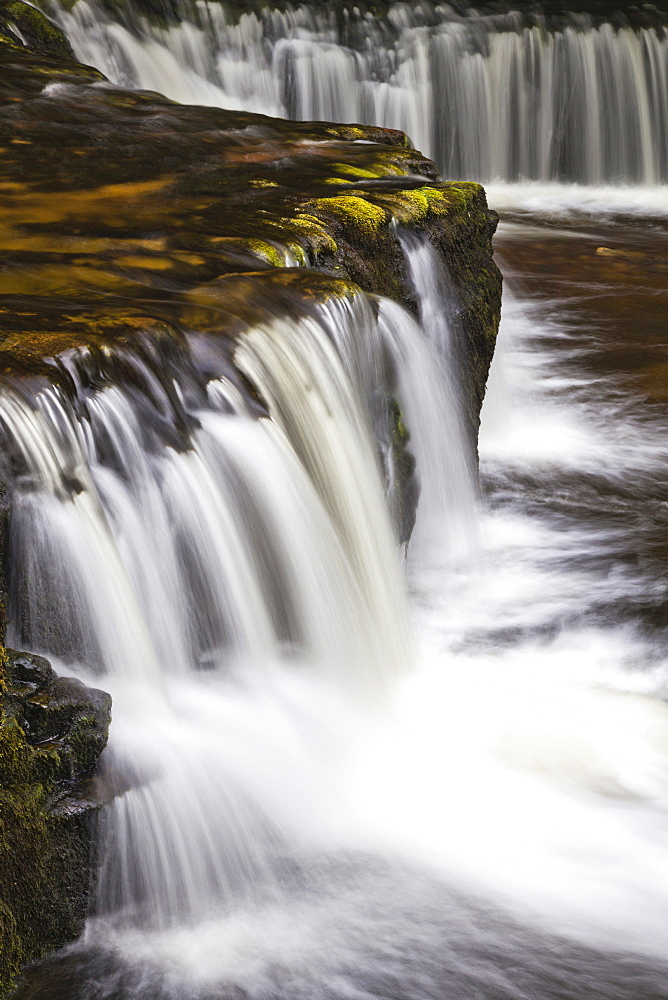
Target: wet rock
25 25
52 732
122 209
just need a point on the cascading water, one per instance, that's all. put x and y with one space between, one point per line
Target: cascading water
220 561
446 528
487 97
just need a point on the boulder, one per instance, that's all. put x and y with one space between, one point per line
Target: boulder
52 733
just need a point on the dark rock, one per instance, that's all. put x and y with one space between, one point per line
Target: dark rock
52 732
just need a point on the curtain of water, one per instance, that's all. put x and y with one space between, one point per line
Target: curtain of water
486 97
213 563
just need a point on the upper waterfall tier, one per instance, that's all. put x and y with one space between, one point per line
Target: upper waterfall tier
488 95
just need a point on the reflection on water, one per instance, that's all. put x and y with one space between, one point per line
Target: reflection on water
585 453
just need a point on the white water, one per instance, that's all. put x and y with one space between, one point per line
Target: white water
241 594
446 531
485 97
579 201
530 752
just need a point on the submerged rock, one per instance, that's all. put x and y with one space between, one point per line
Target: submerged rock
52 732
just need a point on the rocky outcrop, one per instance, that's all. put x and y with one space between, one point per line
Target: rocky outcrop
52 732
122 209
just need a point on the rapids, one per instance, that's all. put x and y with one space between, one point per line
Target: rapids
338 773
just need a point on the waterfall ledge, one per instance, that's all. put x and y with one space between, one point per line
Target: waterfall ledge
123 210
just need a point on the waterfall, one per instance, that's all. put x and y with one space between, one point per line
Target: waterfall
428 359
209 564
487 97
352 757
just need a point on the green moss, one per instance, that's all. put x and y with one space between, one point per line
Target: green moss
7 40
52 731
412 206
10 951
353 209
298 253
275 254
22 837
318 236
351 131
373 171
302 238
350 171
270 253
16 757
4 661
39 33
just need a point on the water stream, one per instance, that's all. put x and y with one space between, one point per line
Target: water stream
344 771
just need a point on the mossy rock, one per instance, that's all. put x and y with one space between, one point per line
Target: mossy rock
23 23
52 732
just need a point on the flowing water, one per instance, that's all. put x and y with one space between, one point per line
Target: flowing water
329 784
